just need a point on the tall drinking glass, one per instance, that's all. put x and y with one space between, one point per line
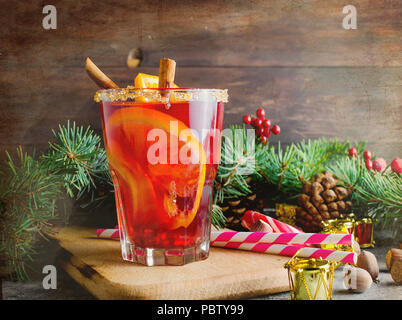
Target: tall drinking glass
163 150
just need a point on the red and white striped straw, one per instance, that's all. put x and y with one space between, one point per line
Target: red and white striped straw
252 241
291 250
108 233
250 217
281 238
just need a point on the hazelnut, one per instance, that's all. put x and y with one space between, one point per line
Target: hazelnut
357 280
392 256
367 261
396 271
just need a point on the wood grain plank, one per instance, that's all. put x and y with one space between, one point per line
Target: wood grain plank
360 103
203 33
227 274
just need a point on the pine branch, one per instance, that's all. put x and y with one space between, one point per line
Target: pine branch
378 195
27 204
237 163
77 157
217 217
287 169
71 157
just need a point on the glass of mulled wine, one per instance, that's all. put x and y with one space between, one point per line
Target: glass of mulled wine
163 149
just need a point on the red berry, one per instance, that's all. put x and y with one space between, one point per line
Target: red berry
275 129
247 119
267 133
260 113
263 139
266 123
396 165
369 164
353 152
367 154
253 120
379 164
258 123
260 131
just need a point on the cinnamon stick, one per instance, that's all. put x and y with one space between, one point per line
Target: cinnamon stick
98 76
167 70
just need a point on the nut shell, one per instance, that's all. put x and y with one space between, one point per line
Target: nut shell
357 280
367 261
392 256
396 271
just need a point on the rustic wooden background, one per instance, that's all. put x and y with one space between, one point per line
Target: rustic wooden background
291 57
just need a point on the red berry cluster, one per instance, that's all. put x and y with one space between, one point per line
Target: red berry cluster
261 125
379 164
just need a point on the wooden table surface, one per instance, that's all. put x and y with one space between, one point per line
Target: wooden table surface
97 265
69 289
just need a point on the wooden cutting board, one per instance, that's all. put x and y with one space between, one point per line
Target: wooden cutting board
227 274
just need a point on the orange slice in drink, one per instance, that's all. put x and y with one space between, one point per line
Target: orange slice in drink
172 190
143 80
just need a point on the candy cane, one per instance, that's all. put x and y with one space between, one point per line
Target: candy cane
290 251
281 238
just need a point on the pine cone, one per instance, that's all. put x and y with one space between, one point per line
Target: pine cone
234 209
321 199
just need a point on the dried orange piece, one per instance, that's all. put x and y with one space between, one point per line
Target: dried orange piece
143 80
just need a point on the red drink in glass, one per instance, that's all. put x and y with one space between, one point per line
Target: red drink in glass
163 150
